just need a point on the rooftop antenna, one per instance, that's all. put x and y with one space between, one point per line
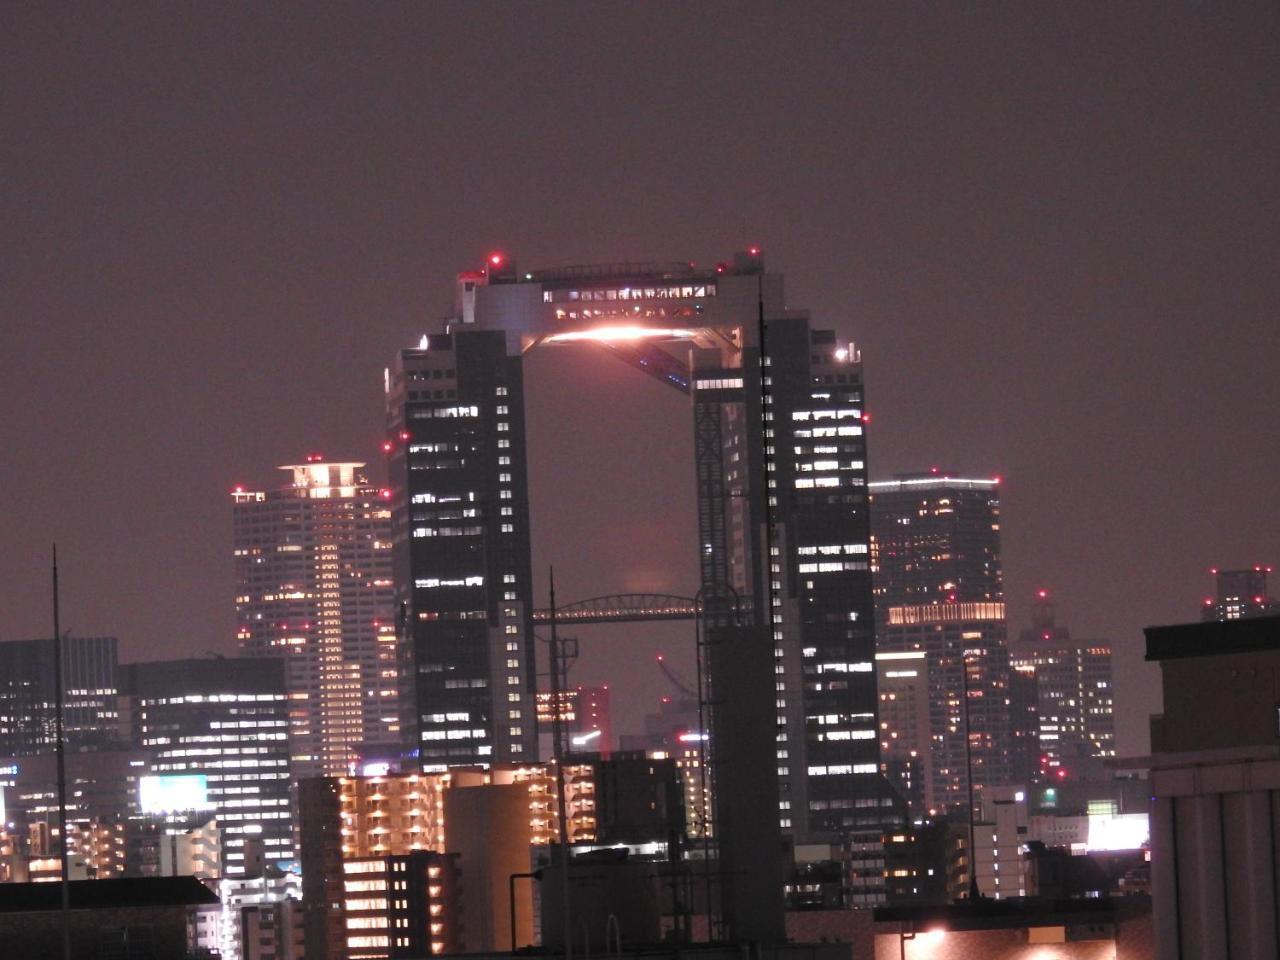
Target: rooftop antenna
60 753
557 736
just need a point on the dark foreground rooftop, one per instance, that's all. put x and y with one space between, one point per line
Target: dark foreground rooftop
1213 638
1014 912
106 894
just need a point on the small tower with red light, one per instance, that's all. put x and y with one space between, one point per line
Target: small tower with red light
1241 595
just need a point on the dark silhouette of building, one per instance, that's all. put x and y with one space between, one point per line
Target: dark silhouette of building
91 719
130 919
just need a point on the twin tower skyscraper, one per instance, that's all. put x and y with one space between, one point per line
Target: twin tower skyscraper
780 473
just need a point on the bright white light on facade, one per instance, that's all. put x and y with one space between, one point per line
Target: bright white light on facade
172 793
620 334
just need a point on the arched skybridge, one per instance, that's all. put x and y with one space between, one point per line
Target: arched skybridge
623 608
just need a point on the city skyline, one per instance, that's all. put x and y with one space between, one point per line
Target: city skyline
1079 303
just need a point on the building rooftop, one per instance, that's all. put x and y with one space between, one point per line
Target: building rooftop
994 914
106 894
916 481
1213 638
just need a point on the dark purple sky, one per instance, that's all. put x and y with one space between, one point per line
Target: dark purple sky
1053 229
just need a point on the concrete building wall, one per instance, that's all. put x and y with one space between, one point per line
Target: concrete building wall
1214 849
488 827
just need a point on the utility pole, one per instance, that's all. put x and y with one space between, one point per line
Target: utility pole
60 753
557 736
974 892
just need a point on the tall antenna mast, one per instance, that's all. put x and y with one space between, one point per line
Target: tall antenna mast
557 735
60 753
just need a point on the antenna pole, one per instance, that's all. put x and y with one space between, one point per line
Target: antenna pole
557 735
60 753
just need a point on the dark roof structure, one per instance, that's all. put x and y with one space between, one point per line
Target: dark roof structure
1213 638
106 894
999 914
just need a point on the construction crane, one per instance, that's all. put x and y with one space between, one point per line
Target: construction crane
676 680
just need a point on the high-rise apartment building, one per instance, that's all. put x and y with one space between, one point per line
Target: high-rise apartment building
966 660
490 817
313 588
1074 694
1240 594
939 587
91 719
902 679
220 729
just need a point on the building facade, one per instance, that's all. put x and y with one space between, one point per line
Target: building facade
91 718
939 588
1215 788
965 682
1074 695
313 587
221 727
936 539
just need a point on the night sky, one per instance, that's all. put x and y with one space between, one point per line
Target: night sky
1053 229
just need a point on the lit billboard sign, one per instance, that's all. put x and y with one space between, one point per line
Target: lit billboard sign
1127 831
170 793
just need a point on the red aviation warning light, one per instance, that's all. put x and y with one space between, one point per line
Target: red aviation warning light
387 446
1042 593
498 264
753 251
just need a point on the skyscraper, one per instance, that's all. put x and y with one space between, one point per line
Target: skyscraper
91 718
463 569
967 662
939 588
782 539
936 537
1240 594
792 548
313 587
222 726
1074 694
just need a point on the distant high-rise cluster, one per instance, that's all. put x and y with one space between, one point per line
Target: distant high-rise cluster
942 655
955 694
386 730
